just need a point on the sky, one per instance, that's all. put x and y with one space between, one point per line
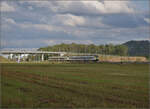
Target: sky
34 24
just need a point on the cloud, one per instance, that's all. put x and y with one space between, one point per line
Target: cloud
36 26
147 20
5 7
117 7
85 7
9 21
69 20
100 7
7 24
80 13
27 25
53 22
30 8
22 43
107 7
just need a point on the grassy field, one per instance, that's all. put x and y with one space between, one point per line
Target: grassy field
75 85
4 60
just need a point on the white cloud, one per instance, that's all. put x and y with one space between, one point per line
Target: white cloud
147 20
30 8
69 20
5 7
85 7
10 21
97 7
7 23
54 22
116 7
22 43
74 20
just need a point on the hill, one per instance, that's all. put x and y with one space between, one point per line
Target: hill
108 49
138 48
130 48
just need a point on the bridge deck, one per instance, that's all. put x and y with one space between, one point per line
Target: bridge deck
30 52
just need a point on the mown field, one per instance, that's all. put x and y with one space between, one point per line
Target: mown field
75 85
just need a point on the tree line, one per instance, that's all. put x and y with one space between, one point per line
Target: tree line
108 49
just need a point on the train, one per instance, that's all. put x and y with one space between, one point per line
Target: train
93 58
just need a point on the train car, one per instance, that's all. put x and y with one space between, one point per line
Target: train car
75 58
82 58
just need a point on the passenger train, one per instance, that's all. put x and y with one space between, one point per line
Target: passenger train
74 58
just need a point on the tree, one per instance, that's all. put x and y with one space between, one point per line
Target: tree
108 49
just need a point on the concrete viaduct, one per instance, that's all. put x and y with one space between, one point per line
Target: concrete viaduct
19 53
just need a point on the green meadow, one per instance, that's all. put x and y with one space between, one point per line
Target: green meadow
95 85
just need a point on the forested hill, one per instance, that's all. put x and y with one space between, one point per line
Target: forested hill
138 48
108 49
130 48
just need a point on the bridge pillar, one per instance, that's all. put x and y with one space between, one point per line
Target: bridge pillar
42 57
61 54
19 56
11 56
